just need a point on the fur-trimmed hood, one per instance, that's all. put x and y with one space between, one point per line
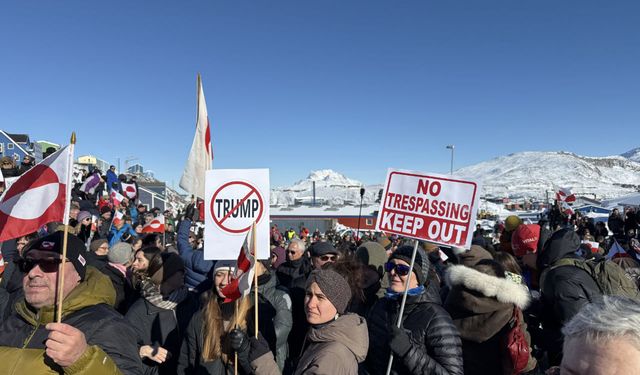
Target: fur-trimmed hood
503 290
480 304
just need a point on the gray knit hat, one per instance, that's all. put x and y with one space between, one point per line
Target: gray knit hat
334 286
120 253
421 265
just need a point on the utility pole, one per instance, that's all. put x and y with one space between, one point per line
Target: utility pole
452 148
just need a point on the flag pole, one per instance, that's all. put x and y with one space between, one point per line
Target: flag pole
235 352
255 277
65 221
404 300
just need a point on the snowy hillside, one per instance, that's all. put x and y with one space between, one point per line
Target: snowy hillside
633 154
531 174
331 188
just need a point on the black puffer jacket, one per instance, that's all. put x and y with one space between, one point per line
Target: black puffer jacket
293 276
436 348
564 289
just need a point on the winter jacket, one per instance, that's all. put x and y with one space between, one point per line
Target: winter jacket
293 276
482 306
335 348
156 326
196 266
436 346
123 288
616 224
190 361
111 340
564 290
275 320
115 235
112 179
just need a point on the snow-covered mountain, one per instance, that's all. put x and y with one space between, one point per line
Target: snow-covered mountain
532 174
331 188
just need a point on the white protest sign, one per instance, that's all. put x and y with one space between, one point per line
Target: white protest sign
430 207
234 199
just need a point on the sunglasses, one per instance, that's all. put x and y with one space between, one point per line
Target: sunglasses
401 269
291 252
327 258
46 265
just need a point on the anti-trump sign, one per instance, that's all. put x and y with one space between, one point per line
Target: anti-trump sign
429 207
235 199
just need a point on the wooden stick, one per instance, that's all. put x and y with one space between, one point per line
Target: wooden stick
255 278
235 353
60 288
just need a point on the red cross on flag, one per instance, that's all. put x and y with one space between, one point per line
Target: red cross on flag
565 195
37 197
118 217
240 284
155 226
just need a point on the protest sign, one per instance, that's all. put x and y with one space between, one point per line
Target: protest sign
235 199
429 207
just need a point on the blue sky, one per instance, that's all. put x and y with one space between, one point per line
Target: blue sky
356 86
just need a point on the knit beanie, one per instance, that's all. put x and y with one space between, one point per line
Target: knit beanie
54 242
104 210
322 248
83 215
95 244
281 255
334 286
420 266
120 253
224 265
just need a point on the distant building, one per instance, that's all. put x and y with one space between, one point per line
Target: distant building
15 145
323 218
136 169
153 194
42 149
92 162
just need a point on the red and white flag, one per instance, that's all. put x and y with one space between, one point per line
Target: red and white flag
595 246
201 155
38 197
116 197
129 190
616 251
565 195
568 210
155 226
118 217
240 284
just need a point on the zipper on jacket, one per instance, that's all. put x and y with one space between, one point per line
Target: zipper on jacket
28 339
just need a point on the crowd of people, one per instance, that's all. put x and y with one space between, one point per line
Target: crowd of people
535 298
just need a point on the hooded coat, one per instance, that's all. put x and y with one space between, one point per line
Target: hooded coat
482 306
436 346
564 290
196 267
334 348
111 340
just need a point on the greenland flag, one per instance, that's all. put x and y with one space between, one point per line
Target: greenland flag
155 226
38 197
240 284
129 190
118 217
116 197
565 195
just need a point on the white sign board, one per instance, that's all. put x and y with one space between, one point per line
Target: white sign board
430 207
234 199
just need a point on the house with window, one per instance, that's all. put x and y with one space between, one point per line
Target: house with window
324 218
15 145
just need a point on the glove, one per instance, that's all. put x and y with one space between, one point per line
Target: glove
238 340
259 347
399 342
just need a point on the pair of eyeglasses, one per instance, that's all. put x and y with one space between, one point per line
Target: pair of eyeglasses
401 269
291 252
46 265
327 258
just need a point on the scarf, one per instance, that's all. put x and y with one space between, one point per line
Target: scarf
151 292
390 294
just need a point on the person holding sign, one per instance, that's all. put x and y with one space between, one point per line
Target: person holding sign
427 341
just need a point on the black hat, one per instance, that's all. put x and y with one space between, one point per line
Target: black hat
54 242
322 248
421 264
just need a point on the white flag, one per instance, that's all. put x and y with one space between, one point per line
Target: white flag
201 156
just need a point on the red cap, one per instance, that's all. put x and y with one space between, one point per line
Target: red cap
525 239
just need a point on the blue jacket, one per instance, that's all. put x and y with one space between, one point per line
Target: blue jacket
115 235
111 178
196 266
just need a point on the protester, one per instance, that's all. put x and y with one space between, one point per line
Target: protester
603 339
197 268
92 338
322 253
120 257
161 313
336 342
484 304
112 179
428 342
278 256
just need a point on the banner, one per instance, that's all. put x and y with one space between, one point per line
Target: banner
430 207
235 199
